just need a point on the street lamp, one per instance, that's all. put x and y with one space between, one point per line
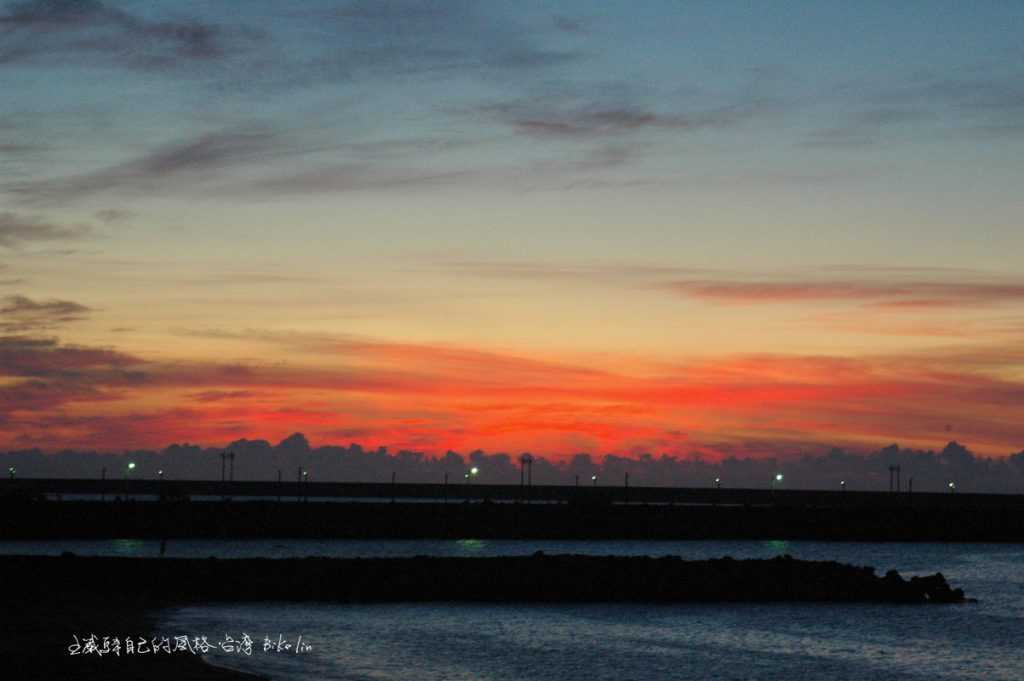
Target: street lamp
593 479
718 483
842 485
12 471
952 486
776 480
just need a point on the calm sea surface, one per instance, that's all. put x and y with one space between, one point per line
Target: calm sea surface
425 642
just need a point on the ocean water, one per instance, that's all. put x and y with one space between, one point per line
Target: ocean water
423 642
594 642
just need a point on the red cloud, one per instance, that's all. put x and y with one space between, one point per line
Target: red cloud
443 397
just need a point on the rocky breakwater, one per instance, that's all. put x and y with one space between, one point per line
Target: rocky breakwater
532 578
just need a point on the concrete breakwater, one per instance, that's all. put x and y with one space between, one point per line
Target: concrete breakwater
536 578
411 520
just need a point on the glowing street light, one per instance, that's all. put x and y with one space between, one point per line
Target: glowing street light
593 479
718 483
12 471
776 480
131 465
160 474
952 486
842 485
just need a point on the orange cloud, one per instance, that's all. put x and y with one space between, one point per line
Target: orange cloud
437 397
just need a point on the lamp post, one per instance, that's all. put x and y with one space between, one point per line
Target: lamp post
593 479
12 471
776 480
842 485
127 471
718 483
470 474
952 487
525 474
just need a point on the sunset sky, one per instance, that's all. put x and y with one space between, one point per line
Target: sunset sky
725 228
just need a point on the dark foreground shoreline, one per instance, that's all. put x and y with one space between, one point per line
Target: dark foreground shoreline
48 599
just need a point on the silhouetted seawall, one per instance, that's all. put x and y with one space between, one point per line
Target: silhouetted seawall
424 520
536 578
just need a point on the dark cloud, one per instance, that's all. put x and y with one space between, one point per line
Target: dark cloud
47 358
113 215
70 30
17 230
867 127
39 376
348 178
931 470
173 165
19 314
548 117
222 395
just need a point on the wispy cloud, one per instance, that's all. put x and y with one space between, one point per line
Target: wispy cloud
410 36
866 128
896 295
440 397
72 30
19 314
988 105
187 163
17 230
549 117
